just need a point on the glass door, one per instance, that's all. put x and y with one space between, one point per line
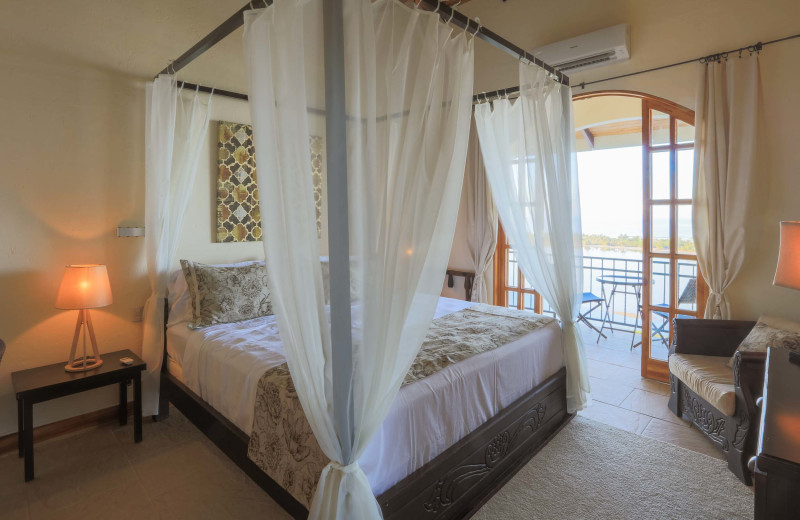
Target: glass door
511 288
672 284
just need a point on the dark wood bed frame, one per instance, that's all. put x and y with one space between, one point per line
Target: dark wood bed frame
455 484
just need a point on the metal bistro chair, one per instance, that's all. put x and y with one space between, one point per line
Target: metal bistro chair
595 303
661 331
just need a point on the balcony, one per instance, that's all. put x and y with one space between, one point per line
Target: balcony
623 323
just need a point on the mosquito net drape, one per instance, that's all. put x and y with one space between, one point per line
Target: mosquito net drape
408 99
528 150
176 125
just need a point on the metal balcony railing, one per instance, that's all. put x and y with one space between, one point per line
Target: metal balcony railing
623 307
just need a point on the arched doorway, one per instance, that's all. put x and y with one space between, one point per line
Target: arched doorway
635 157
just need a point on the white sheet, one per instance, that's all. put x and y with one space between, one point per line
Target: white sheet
223 363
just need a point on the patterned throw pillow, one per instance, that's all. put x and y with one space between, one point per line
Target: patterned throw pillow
226 294
771 332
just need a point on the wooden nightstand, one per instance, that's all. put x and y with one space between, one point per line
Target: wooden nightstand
777 460
52 381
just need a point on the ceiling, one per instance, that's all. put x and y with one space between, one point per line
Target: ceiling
132 37
138 37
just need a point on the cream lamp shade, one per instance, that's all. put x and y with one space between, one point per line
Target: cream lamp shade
84 287
788 272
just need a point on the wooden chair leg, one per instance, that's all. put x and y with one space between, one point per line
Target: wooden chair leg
674 404
737 463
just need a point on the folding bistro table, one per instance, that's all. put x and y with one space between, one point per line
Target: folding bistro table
631 285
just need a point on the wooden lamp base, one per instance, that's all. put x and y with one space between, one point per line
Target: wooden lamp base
84 362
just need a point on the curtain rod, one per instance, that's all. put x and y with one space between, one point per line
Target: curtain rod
446 13
756 47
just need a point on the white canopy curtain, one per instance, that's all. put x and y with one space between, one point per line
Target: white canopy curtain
174 132
481 218
528 149
726 115
409 87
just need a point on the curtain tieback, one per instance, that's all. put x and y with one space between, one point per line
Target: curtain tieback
344 468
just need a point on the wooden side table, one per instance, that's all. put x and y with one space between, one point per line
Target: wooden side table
40 384
777 460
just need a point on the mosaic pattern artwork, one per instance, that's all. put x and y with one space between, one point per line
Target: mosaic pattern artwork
238 214
317 147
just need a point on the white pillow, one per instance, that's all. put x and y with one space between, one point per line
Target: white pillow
180 304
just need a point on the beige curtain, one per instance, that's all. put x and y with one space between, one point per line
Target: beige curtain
481 219
725 163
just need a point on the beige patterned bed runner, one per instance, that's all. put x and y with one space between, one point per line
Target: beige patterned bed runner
282 443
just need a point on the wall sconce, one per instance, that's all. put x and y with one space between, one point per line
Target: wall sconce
130 232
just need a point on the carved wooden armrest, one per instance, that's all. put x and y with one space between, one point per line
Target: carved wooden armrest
748 373
748 378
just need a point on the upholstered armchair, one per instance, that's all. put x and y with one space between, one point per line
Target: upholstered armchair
717 398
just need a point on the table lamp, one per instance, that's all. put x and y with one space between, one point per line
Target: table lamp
84 287
788 272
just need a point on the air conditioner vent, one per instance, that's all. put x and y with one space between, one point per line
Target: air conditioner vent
595 49
585 62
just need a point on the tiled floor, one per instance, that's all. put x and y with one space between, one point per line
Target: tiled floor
174 473
622 398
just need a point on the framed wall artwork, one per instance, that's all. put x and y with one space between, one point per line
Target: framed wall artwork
238 214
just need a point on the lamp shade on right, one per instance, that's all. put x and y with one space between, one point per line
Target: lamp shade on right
84 287
788 272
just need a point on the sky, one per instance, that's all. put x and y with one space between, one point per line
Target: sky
611 192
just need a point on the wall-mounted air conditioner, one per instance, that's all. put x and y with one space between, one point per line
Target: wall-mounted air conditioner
595 49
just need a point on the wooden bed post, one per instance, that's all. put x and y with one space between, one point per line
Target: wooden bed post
338 223
163 388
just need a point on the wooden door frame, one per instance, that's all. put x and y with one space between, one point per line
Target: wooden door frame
501 287
653 369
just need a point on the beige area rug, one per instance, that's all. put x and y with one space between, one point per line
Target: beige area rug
591 470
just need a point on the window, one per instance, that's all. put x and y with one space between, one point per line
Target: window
511 288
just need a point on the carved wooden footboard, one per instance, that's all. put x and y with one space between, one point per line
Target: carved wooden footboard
457 482
453 485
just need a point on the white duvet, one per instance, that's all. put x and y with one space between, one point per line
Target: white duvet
223 364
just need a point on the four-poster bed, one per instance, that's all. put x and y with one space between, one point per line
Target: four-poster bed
453 484
456 480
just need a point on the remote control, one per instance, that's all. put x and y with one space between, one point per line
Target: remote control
126 361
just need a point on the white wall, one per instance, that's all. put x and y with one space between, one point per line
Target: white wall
664 33
72 145
72 148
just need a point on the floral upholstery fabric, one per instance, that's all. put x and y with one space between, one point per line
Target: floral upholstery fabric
707 376
282 443
226 294
770 332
